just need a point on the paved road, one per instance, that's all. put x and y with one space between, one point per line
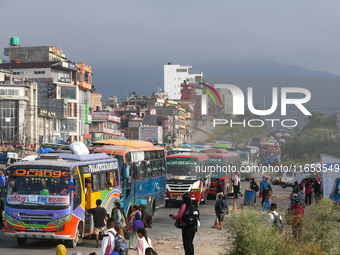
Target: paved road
163 227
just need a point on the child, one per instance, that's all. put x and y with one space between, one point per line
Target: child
150 251
144 242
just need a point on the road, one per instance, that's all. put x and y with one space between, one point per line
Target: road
163 227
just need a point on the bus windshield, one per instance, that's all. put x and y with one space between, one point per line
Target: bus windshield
38 187
182 169
244 156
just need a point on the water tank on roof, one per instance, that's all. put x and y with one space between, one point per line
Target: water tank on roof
14 41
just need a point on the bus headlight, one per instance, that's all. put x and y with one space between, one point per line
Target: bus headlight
12 220
61 221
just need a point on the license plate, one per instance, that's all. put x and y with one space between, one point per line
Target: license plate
35 229
179 198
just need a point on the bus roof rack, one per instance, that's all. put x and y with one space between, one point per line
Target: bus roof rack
65 156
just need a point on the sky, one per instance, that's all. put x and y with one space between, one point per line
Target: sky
127 43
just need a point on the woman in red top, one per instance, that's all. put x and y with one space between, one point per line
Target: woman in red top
188 233
308 192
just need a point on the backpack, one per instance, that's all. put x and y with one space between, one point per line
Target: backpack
191 217
149 220
108 250
277 222
121 246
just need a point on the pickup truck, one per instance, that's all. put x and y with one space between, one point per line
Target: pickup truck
288 178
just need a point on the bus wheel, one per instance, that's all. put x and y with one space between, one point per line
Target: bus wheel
21 241
197 203
73 243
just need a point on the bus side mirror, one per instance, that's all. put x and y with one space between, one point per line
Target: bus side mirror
70 185
126 173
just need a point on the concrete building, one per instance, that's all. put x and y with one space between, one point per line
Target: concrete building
104 126
227 100
63 87
18 112
175 75
96 102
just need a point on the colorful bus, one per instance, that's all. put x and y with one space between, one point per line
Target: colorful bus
222 164
187 172
46 197
143 171
272 156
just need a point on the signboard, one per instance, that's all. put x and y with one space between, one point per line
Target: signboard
37 199
183 163
100 167
152 134
87 136
137 156
98 136
215 160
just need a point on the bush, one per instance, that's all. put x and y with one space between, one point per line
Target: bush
250 234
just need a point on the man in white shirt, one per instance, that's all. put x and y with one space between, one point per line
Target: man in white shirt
110 231
236 186
272 215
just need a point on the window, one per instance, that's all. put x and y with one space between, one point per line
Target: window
95 182
26 93
39 72
67 93
102 181
142 170
77 189
68 125
148 168
181 70
9 92
18 73
41 123
154 165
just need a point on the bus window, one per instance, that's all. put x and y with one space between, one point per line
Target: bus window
146 155
133 171
154 168
162 163
95 182
102 181
142 170
153 154
77 192
148 172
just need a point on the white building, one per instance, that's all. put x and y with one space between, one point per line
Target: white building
174 75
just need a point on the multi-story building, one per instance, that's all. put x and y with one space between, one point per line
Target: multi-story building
104 126
18 111
175 75
63 87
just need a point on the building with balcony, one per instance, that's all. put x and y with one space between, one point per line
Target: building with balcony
104 126
18 112
63 86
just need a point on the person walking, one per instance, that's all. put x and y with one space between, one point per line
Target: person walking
133 241
119 219
144 215
188 232
219 189
297 218
295 188
237 186
263 189
253 186
109 237
269 193
301 196
308 192
144 242
274 219
317 188
221 209
99 218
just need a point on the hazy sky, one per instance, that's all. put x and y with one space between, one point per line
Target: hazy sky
128 42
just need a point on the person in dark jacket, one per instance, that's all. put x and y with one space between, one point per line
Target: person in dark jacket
221 208
219 189
253 186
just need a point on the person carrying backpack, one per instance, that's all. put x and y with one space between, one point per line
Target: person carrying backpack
274 219
144 215
108 242
133 242
188 229
118 218
253 186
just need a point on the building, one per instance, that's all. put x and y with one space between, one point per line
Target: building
227 100
64 87
104 126
175 75
96 102
18 111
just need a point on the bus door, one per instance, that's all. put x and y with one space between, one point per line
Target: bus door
89 222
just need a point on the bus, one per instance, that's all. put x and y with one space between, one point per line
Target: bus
187 172
46 197
184 150
245 163
143 171
231 163
272 156
223 146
